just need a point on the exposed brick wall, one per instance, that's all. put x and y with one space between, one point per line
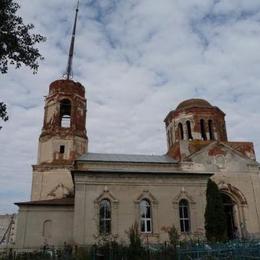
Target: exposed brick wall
194 110
59 90
53 133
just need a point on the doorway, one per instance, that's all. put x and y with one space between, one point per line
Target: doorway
232 230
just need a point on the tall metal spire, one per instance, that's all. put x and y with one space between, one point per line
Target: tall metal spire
68 73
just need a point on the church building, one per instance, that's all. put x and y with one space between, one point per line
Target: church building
78 197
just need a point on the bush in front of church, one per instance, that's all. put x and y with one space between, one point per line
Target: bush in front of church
135 249
215 220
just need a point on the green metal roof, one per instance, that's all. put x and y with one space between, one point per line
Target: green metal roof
131 158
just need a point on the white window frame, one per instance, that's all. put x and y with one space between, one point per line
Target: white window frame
146 219
182 218
104 219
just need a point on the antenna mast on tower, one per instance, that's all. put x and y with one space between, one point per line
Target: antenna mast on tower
68 73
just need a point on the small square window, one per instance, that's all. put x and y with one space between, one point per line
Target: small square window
62 148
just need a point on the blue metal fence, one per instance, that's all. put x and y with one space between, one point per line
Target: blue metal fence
230 250
236 250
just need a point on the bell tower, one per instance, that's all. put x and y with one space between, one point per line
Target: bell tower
63 137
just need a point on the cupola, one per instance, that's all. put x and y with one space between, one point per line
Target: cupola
195 120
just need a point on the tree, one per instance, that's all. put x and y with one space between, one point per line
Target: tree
3 112
16 43
215 220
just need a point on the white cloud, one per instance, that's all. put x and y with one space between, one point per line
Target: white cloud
137 60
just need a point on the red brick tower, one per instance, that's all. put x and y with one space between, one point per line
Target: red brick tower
63 139
63 136
194 124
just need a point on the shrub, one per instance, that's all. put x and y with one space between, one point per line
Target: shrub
215 220
173 236
135 250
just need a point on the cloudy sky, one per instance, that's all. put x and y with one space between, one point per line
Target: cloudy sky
137 60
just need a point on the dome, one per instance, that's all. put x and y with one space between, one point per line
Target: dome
194 102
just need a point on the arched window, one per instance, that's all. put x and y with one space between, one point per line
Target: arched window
105 217
203 130
211 133
184 215
65 113
47 229
145 216
180 130
189 130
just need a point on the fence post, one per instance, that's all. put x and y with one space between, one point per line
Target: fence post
94 252
165 253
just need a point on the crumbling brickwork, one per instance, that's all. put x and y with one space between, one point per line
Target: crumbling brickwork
73 136
63 139
193 125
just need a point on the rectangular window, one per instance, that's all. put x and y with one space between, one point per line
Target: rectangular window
62 148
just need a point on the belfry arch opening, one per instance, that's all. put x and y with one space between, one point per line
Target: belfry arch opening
211 133
203 130
189 133
65 113
180 130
